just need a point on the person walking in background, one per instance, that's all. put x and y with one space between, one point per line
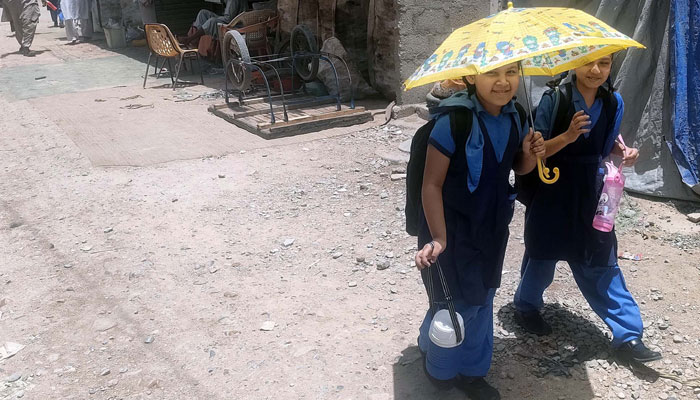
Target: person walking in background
24 16
55 13
77 20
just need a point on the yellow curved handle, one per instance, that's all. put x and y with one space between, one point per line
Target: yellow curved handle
544 172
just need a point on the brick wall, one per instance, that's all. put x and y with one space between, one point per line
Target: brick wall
422 27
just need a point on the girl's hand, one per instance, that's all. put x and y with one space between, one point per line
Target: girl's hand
537 147
429 254
629 156
578 126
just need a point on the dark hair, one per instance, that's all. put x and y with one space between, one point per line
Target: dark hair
557 81
471 88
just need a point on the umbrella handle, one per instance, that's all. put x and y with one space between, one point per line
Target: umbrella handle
544 172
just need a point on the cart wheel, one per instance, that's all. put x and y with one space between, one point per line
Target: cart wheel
282 49
303 40
239 72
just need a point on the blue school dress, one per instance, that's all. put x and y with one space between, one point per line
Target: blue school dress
558 221
478 205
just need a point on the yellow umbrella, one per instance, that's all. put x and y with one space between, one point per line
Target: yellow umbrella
548 41
545 40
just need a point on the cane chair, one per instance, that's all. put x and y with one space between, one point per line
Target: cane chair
255 26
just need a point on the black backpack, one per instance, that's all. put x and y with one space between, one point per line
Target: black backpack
526 185
460 126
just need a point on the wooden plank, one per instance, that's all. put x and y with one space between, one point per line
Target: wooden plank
279 109
318 124
302 120
317 117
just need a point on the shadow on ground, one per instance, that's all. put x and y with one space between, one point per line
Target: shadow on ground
526 366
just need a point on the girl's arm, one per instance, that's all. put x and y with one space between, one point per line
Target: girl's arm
526 159
578 126
436 165
629 154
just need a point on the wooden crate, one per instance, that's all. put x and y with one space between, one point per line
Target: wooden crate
310 116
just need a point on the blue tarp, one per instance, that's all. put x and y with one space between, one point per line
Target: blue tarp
685 89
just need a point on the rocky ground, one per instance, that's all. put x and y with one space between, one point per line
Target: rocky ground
282 272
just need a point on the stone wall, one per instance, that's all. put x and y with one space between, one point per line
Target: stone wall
422 27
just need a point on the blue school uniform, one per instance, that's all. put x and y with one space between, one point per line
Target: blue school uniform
478 206
558 222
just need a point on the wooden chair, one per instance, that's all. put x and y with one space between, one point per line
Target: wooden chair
162 43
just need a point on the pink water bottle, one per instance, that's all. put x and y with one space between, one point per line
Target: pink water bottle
613 187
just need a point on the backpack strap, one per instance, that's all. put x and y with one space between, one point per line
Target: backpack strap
557 99
563 109
460 126
610 104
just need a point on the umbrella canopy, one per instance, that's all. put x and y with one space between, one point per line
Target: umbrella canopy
547 41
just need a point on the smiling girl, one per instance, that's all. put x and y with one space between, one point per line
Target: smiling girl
558 221
467 206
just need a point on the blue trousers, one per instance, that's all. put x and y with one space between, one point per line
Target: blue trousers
603 287
473 356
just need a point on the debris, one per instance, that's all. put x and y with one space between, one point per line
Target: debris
288 242
105 372
222 176
629 256
100 100
108 230
38 78
383 264
103 324
149 339
136 96
9 349
188 99
153 383
352 284
629 213
14 377
398 177
337 255
136 106
217 94
694 217
267 326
